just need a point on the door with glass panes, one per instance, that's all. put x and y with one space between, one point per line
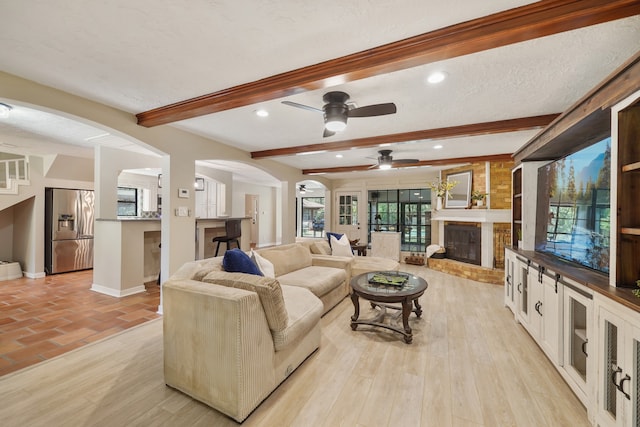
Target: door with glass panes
347 214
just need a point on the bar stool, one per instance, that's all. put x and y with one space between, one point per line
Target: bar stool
233 233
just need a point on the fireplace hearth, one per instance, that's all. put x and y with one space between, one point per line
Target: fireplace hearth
463 242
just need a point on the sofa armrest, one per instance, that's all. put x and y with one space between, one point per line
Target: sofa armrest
217 345
342 262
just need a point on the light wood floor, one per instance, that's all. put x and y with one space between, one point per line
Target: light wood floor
470 364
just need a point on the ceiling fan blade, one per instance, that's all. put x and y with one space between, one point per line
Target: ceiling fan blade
373 166
304 107
327 133
373 110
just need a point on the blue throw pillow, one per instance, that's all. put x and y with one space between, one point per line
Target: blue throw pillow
336 235
236 261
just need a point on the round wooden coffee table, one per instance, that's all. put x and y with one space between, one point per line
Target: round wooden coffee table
384 288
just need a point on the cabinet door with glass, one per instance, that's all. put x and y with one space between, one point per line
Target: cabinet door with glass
618 359
523 298
579 351
510 269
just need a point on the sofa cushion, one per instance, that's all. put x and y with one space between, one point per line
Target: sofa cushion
292 258
236 261
265 266
268 290
319 280
340 247
304 311
336 235
320 247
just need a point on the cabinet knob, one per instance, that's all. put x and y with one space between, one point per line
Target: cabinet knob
584 348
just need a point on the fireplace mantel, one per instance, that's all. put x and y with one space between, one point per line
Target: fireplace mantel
485 217
472 215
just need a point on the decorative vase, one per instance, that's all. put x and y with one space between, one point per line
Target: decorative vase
438 203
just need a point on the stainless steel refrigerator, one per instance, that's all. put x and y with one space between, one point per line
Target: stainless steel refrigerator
69 216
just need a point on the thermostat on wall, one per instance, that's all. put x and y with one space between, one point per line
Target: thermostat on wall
183 193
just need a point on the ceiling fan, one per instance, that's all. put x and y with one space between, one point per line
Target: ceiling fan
302 189
336 111
385 160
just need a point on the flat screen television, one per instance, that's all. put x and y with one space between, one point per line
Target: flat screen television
575 198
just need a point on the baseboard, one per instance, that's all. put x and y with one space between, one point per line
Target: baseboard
115 292
39 275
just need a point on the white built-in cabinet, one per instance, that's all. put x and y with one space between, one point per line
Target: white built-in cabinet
618 360
211 202
558 314
539 306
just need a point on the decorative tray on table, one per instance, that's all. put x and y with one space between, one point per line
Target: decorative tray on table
397 279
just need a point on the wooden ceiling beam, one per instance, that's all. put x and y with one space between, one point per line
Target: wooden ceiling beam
527 22
500 126
435 162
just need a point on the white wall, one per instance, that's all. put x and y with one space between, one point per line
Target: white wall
6 234
267 207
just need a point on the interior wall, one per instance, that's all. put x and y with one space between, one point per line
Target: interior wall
267 232
68 168
26 244
6 234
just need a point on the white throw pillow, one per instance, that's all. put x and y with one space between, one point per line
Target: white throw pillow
265 266
340 247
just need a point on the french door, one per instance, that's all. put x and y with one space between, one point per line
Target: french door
347 214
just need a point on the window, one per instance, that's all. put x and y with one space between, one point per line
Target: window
312 216
407 211
127 201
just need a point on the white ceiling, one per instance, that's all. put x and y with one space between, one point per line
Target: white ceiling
140 55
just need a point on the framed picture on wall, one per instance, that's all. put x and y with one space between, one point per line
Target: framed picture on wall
460 195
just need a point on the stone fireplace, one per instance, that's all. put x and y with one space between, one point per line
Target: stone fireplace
463 241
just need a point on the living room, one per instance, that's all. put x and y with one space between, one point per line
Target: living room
292 149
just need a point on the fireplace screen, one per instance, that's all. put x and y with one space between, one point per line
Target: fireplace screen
462 242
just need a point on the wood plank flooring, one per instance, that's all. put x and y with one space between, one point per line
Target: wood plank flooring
43 318
469 364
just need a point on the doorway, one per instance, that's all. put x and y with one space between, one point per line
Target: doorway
251 205
347 211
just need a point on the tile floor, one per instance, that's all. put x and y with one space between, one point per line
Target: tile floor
43 318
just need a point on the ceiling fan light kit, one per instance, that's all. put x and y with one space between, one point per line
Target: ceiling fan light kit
336 111
385 160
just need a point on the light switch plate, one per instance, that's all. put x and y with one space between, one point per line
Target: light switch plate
182 211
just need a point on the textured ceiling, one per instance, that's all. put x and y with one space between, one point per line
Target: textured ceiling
144 54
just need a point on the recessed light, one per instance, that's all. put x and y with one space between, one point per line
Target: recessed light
436 77
437 147
262 113
339 156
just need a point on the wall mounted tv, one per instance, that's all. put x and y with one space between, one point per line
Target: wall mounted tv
574 200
